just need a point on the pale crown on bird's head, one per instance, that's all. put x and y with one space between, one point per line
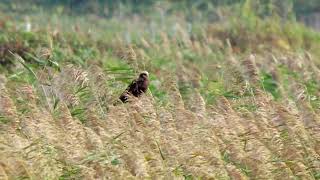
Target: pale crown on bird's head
144 73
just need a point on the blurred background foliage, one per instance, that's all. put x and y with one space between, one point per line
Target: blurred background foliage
200 11
110 7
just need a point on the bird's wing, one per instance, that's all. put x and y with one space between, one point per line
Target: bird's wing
125 95
132 86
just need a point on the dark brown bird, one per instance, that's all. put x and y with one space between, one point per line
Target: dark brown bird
137 87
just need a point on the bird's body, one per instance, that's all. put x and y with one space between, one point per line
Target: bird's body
137 87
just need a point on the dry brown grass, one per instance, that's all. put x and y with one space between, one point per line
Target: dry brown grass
140 140
68 125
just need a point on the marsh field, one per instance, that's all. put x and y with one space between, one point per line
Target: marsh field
234 90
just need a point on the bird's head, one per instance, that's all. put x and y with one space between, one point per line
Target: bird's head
144 74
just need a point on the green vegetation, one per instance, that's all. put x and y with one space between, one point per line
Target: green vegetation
70 173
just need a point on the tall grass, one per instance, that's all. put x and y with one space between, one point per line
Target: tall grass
234 99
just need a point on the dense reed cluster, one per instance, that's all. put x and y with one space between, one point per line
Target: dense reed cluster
227 100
